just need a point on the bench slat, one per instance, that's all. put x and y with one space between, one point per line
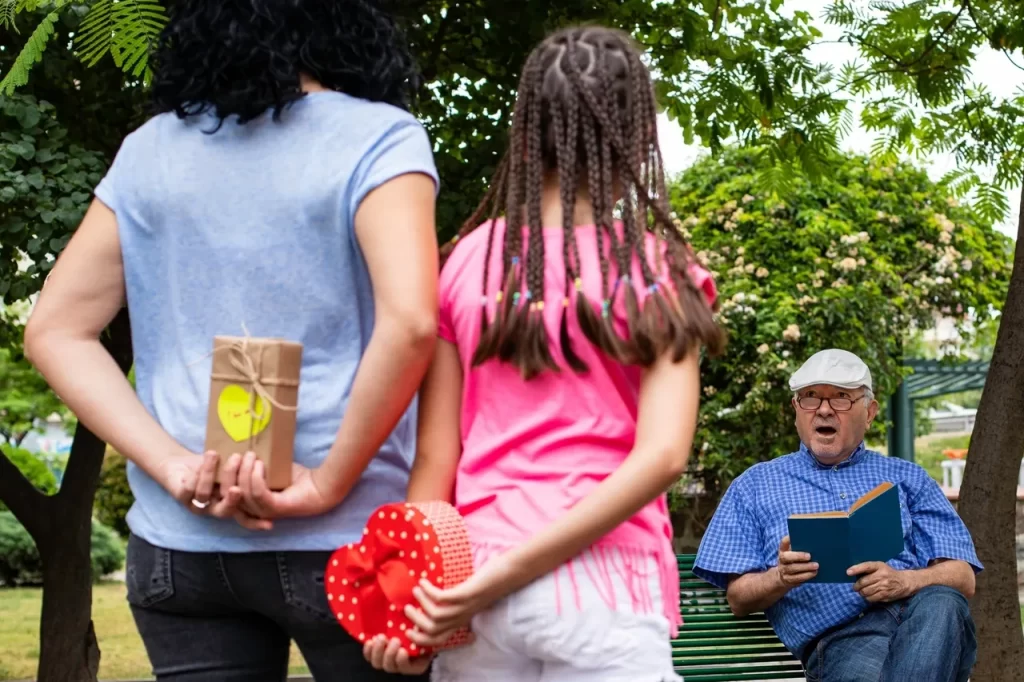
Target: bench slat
715 646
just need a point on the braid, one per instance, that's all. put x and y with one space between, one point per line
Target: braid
490 337
530 350
565 146
586 99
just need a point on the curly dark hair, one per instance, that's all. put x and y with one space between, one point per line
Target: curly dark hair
243 57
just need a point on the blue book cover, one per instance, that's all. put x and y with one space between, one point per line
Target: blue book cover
870 531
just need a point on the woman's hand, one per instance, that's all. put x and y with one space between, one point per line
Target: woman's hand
392 658
306 496
191 480
442 612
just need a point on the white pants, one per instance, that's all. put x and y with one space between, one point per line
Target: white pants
583 623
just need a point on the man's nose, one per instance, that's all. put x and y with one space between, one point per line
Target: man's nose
825 409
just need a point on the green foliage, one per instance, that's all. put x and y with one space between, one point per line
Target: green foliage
30 54
727 71
107 551
736 69
113 496
855 260
46 183
25 398
914 77
33 468
126 30
19 558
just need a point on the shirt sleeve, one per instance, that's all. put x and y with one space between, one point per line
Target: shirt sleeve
732 542
403 148
114 189
938 532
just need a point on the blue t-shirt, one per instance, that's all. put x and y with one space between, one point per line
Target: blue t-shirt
253 226
751 520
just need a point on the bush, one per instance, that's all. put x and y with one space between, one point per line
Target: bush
19 559
33 468
113 496
107 552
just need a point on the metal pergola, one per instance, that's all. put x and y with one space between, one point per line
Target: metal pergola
931 379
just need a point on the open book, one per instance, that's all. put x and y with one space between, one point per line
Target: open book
870 531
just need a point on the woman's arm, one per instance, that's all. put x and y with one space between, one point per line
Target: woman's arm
669 400
439 439
83 293
394 227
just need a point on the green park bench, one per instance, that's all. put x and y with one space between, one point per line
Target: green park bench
715 646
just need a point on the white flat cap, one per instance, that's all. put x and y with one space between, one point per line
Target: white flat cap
833 367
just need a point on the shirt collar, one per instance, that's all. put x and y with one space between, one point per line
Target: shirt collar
857 455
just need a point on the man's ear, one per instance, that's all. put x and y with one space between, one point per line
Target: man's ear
872 411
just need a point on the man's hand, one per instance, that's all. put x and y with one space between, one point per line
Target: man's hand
880 582
795 568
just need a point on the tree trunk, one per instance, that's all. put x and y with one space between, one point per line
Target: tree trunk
68 650
988 494
61 527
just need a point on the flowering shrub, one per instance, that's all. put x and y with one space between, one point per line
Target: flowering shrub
855 261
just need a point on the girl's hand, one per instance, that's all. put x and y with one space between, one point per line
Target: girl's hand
392 658
442 612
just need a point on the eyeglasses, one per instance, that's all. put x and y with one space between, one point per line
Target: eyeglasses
811 403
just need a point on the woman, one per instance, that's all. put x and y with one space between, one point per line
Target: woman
282 189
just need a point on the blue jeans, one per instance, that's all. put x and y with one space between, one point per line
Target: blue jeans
929 636
208 617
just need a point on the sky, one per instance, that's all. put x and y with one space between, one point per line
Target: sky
990 69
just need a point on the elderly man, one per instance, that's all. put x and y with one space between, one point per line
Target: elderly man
906 619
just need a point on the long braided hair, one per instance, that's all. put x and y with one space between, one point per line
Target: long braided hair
586 109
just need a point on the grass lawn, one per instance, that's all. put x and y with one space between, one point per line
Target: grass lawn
122 653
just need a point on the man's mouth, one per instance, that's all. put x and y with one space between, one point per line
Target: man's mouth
825 430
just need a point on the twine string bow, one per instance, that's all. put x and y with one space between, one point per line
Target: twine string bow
250 372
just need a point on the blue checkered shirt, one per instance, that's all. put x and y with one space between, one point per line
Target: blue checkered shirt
750 521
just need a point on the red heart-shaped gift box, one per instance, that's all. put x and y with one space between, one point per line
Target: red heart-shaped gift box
369 583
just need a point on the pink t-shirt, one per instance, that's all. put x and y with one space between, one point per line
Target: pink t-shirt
532 449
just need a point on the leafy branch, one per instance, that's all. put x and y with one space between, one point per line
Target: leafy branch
126 30
30 54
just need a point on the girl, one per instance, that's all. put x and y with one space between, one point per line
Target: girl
562 398
282 187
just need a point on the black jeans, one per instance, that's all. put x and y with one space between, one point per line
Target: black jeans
207 617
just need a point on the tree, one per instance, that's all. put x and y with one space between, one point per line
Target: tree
45 182
914 75
57 135
857 260
25 399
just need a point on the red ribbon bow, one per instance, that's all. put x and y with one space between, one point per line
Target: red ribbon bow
369 584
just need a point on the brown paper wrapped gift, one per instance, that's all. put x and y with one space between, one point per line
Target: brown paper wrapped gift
254 389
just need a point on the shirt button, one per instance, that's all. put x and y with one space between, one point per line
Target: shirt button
835 468
842 496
